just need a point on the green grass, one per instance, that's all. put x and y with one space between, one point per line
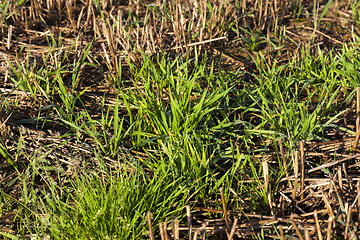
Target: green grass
179 126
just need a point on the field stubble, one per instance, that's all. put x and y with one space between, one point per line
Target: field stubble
179 119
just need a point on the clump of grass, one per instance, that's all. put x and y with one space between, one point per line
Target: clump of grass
113 207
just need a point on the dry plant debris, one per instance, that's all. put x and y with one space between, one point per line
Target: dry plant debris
201 92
